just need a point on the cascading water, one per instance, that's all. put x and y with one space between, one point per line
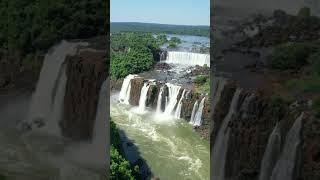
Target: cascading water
124 95
58 104
178 110
285 166
98 158
159 100
271 154
219 150
173 94
218 85
100 127
143 97
43 106
188 58
194 110
198 115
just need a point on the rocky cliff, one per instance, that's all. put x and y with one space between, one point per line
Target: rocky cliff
86 72
191 96
251 124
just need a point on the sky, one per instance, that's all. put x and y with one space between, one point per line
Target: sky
179 12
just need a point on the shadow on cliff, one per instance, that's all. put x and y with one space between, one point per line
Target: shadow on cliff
132 154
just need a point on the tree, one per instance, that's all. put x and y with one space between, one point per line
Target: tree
304 12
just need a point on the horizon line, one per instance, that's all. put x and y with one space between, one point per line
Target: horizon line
158 23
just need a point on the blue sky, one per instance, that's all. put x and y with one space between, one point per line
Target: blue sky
180 12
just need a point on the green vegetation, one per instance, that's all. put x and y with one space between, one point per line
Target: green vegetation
37 25
117 27
2 177
31 26
134 53
290 56
119 167
173 42
201 79
203 83
296 56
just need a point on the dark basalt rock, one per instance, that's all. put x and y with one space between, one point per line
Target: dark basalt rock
163 55
152 96
162 66
257 114
86 72
136 86
116 84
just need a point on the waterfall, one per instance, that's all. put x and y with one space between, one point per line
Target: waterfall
91 153
218 85
271 154
124 95
47 96
159 101
188 58
172 99
217 88
143 97
194 110
198 115
178 110
99 131
284 168
219 150
52 126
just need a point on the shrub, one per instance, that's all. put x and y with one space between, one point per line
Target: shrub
310 84
290 56
201 79
120 168
175 40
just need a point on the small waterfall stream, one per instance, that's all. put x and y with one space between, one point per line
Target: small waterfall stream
219 150
217 88
198 115
271 154
188 58
194 111
143 97
159 100
52 126
172 98
284 168
178 109
124 95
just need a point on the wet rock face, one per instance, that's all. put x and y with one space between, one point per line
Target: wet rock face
187 105
86 72
163 55
162 66
136 86
255 118
116 84
152 96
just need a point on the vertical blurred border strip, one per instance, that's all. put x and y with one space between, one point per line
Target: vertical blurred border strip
212 68
106 4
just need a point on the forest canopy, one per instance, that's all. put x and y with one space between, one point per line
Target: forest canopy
32 25
159 28
133 53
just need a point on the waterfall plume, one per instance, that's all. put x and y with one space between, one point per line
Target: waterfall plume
188 58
